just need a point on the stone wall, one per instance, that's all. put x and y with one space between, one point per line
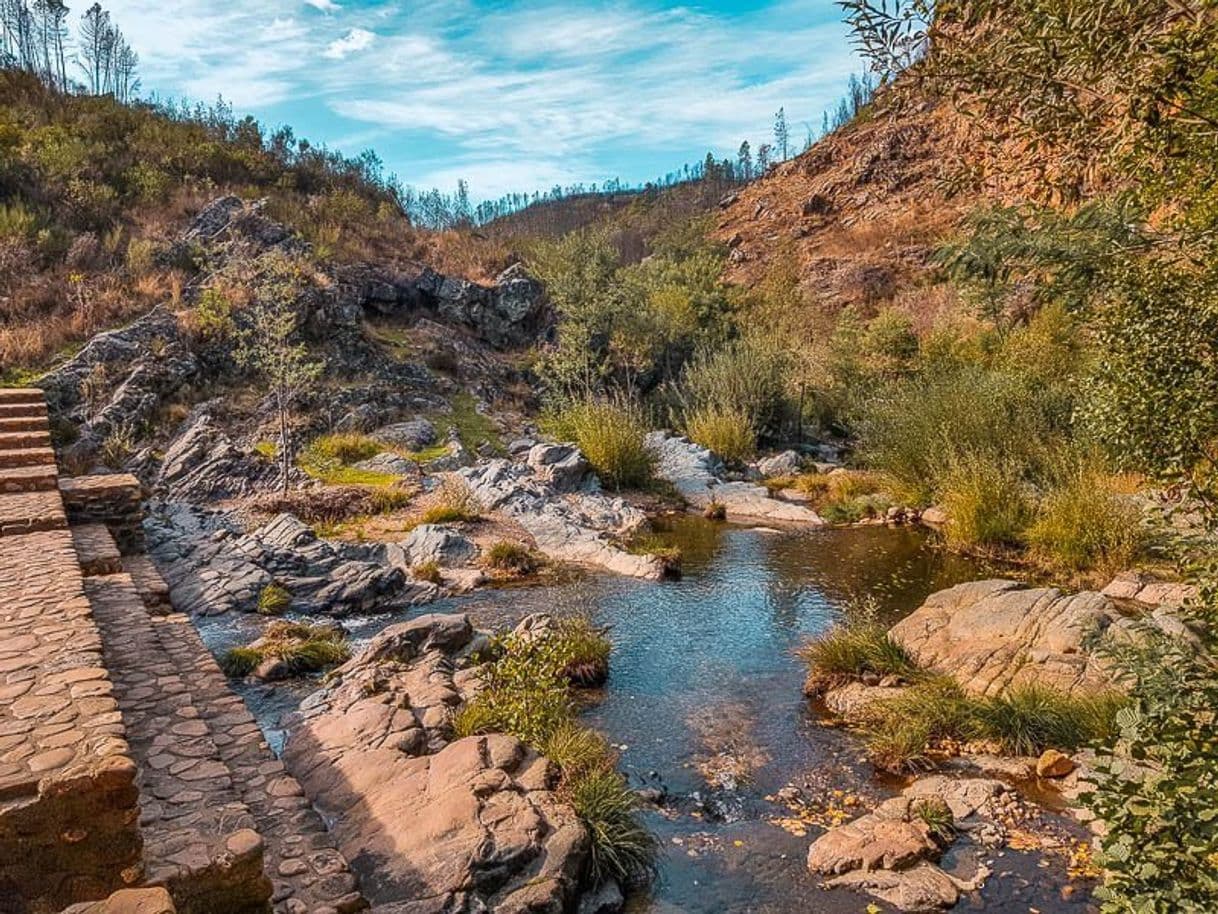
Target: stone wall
113 500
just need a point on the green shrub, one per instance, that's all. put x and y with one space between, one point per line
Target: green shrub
728 432
239 662
343 448
1083 523
512 558
937 816
428 572
860 646
986 503
1028 719
622 847
274 600
212 318
901 731
744 380
454 503
578 751
611 434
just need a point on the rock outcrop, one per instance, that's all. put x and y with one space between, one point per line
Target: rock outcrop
698 475
433 825
582 527
213 567
991 635
203 464
890 853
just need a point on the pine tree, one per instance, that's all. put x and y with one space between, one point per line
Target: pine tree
744 162
782 136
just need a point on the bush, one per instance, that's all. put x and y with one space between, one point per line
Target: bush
727 432
622 847
578 751
512 558
986 503
744 380
428 572
1083 523
454 503
274 600
611 434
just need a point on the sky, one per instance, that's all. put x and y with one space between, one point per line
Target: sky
510 96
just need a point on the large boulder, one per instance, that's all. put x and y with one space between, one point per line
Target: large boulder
203 464
991 635
433 825
697 474
788 463
560 465
414 435
432 543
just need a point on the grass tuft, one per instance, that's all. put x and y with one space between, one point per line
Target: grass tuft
727 432
512 559
611 434
274 600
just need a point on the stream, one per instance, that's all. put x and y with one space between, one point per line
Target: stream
704 705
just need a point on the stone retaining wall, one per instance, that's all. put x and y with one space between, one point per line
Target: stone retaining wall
113 500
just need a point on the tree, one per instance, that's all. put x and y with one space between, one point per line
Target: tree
96 37
763 158
268 346
744 162
782 135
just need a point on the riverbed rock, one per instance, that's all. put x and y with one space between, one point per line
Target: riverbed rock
991 635
433 825
561 465
697 474
414 435
213 566
578 527
788 463
1054 764
1149 591
203 464
432 543
923 887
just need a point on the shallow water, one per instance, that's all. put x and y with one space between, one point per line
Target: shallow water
704 704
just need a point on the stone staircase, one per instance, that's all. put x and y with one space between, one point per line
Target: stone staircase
225 829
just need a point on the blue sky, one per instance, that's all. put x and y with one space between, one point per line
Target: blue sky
508 95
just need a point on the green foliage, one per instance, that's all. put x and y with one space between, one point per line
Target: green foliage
611 434
987 502
937 816
472 428
1084 523
274 600
859 646
1028 719
428 572
742 382
302 647
213 316
342 449
511 558
239 662
727 432
622 847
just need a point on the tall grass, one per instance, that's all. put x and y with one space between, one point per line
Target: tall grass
611 434
1086 523
727 431
744 379
986 501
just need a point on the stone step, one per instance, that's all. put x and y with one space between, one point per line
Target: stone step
29 512
20 441
25 423
26 457
96 549
148 581
22 410
199 837
11 395
38 478
309 874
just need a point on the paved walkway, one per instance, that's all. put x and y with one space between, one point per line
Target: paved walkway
96 670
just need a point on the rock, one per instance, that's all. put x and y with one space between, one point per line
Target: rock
439 826
520 446
925 887
389 463
204 465
1054 764
871 842
414 435
579 527
934 517
560 465
991 635
212 567
432 543
788 463
818 205
697 475
128 901
607 899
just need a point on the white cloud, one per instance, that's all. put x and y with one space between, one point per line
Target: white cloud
354 41
326 6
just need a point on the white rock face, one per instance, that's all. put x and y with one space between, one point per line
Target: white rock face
572 527
698 475
432 543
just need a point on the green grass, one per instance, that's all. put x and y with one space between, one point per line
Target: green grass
471 427
512 559
239 662
902 731
329 460
611 434
274 600
1084 523
454 503
428 572
304 648
857 647
527 692
986 502
728 432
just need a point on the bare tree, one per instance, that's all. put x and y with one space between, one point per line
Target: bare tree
269 346
96 36
50 34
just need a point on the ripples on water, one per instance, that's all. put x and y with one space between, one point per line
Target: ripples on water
704 701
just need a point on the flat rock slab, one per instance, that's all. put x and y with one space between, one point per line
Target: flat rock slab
991 635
